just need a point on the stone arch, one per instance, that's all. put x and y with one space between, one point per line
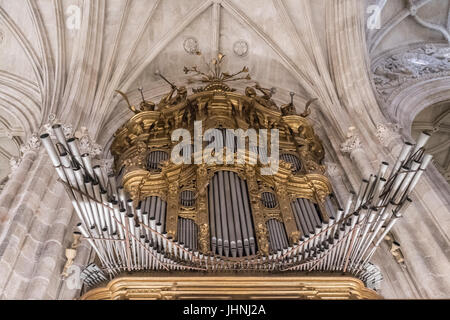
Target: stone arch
408 103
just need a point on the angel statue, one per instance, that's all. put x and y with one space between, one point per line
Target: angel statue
266 99
145 105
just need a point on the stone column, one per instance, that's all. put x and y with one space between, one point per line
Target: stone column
358 155
20 171
36 228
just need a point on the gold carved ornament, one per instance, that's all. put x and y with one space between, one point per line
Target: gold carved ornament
219 105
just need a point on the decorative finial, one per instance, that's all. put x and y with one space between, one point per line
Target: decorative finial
159 74
289 109
141 90
292 94
215 75
144 106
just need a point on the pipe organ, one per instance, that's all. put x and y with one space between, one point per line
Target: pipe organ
227 215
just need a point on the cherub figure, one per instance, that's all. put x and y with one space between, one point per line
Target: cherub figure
307 111
289 109
143 106
181 95
250 92
266 99
169 99
137 128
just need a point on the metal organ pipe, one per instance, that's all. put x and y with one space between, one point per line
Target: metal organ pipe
273 246
235 207
71 179
223 215
276 241
229 214
122 197
247 213
91 242
304 212
54 157
293 160
109 214
230 210
187 198
90 192
360 196
60 136
217 214
406 181
188 233
425 162
402 157
314 215
330 207
155 158
242 218
98 197
113 187
74 150
298 213
421 142
87 165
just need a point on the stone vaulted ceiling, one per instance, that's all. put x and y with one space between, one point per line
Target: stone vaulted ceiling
68 57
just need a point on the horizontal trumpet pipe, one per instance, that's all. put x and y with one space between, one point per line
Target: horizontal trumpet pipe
425 162
402 157
421 141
